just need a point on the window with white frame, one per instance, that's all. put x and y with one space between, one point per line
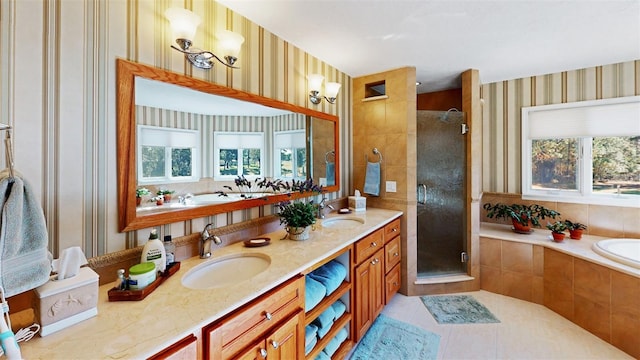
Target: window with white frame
290 154
238 153
167 154
584 152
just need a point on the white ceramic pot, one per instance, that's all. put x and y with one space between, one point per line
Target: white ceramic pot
298 233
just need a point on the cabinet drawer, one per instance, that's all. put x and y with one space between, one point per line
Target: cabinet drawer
392 254
369 245
233 333
391 230
392 283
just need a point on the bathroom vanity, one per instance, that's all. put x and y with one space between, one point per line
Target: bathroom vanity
261 315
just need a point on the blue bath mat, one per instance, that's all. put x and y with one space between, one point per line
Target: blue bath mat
458 309
393 339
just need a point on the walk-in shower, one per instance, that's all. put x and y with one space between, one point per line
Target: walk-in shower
441 172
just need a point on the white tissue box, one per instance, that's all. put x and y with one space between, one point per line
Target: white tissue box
357 203
62 303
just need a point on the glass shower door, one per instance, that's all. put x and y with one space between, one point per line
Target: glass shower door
441 193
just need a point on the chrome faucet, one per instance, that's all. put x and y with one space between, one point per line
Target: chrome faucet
321 206
186 199
205 241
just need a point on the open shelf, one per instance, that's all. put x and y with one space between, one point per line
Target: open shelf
322 343
326 302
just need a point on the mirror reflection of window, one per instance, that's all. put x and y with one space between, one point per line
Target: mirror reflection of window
290 155
167 154
238 153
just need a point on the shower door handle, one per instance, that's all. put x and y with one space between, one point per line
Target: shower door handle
422 187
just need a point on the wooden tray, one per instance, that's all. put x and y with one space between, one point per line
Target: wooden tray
136 295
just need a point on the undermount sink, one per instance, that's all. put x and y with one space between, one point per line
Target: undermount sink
342 222
225 271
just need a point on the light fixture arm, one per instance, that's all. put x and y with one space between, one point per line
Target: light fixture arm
316 98
202 58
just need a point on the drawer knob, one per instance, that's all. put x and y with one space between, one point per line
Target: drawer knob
395 254
267 315
394 230
373 244
375 261
263 353
274 344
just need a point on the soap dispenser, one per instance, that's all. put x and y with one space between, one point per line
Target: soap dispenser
153 251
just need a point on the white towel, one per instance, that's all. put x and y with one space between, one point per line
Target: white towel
372 179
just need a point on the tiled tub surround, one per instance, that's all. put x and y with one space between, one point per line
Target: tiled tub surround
139 329
599 294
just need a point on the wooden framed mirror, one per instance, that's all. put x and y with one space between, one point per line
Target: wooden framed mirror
145 92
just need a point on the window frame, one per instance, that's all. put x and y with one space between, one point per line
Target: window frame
187 139
277 148
216 153
584 166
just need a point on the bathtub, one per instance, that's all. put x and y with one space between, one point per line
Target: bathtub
624 251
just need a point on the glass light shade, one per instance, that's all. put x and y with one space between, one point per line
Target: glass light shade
315 82
331 89
183 22
229 43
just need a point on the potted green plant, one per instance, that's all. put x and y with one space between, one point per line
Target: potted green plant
158 199
166 194
297 217
523 217
575 229
557 230
140 192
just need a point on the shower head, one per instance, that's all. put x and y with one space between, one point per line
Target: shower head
445 117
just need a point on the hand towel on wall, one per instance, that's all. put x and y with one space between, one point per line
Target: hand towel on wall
372 179
25 261
331 173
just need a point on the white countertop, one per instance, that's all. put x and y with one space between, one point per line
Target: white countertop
578 248
139 329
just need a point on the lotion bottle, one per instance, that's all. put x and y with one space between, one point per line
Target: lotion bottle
153 251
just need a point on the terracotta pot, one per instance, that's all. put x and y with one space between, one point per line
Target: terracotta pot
575 234
138 200
167 197
298 233
519 228
159 202
557 237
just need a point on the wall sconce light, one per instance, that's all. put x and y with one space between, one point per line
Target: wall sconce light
315 83
184 24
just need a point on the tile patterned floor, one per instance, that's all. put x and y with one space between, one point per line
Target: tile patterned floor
526 331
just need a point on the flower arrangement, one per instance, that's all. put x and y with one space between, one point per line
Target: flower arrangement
558 227
521 215
252 189
575 229
140 192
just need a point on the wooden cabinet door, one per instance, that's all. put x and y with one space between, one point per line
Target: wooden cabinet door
256 351
369 293
287 341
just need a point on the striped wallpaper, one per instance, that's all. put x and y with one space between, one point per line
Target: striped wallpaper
504 100
60 99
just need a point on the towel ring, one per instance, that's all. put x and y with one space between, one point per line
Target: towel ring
377 152
8 148
327 154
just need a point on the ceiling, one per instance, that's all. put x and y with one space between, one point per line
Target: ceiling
502 39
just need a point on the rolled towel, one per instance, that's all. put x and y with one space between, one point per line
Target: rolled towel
308 347
330 275
339 308
323 356
310 332
314 292
323 331
335 343
325 319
